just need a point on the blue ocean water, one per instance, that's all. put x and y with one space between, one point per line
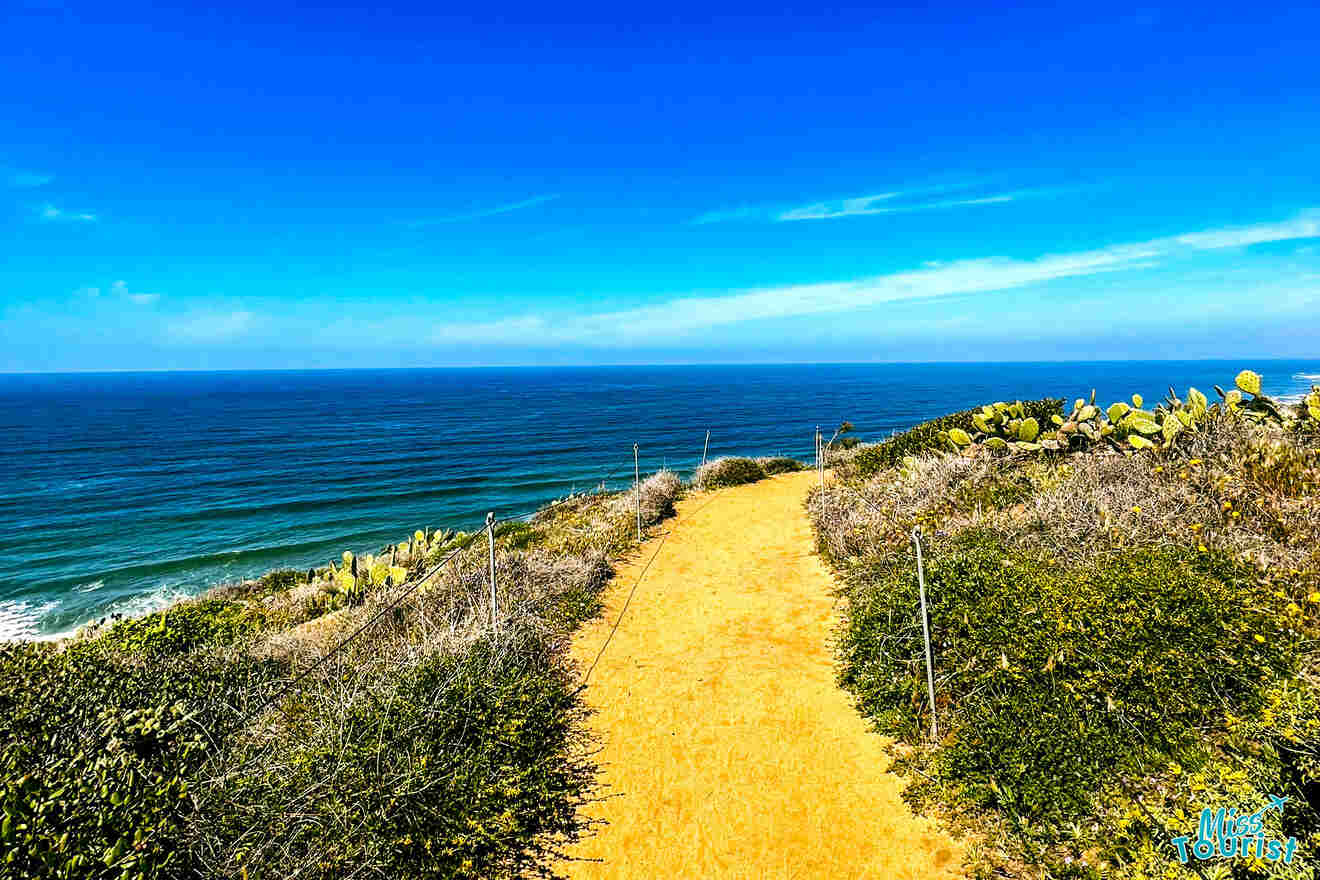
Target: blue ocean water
122 492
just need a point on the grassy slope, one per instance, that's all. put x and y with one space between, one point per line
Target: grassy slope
1120 641
429 747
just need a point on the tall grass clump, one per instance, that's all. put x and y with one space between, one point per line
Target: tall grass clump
658 494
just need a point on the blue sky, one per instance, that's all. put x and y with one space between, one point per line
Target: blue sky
288 186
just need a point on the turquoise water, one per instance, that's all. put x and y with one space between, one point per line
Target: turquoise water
122 492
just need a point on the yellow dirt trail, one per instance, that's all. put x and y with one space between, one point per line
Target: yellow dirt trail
728 749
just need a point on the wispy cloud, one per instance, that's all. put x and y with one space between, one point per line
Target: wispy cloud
869 205
896 202
50 213
487 212
961 277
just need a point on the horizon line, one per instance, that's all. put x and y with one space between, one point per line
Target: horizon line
615 365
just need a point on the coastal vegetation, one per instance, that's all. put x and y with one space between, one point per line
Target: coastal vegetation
1125 616
324 723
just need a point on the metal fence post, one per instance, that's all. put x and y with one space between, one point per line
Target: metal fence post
820 461
925 632
490 540
637 487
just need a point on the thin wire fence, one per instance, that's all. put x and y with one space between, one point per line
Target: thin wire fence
413 585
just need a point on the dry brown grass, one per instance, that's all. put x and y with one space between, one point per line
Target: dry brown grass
658 494
1092 503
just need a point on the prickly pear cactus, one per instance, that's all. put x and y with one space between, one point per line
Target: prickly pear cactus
1121 427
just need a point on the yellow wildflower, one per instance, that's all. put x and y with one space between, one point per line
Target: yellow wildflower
1258 637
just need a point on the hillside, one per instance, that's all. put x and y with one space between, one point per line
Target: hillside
1125 611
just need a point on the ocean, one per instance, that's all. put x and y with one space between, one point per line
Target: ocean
122 492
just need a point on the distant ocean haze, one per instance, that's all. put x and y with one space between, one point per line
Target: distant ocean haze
121 493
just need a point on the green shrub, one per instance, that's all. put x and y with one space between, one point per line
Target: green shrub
779 464
282 578
184 626
101 756
1053 679
728 472
873 458
514 535
462 766
121 766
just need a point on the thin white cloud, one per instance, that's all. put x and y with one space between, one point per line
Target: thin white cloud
881 204
487 212
49 212
897 202
211 326
120 288
676 317
845 208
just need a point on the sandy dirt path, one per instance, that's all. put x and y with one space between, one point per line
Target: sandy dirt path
727 747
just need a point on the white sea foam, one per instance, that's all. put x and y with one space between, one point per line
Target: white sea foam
20 619
147 603
89 587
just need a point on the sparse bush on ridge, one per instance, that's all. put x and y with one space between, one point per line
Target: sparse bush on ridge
779 464
1180 584
728 471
